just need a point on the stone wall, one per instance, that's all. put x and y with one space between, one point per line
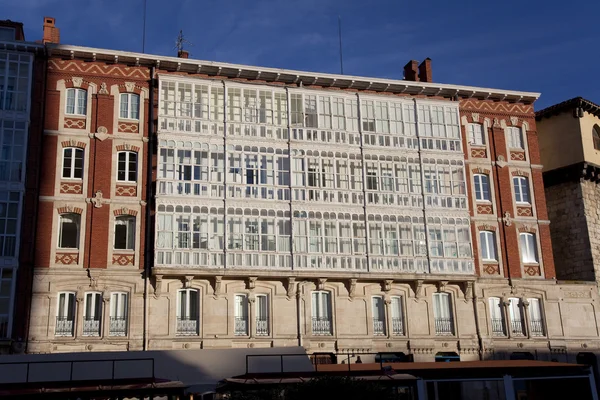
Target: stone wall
567 203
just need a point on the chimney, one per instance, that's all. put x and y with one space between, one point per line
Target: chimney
410 71
51 32
183 54
425 70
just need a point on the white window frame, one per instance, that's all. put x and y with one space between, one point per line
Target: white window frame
127 170
79 95
497 313
130 113
262 314
92 311
379 317
187 308
68 311
129 221
515 309
119 309
71 168
321 307
522 189
476 136
515 137
241 312
76 219
536 314
397 315
479 180
442 309
529 248
487 242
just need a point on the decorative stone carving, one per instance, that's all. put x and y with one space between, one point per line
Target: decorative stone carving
106 297
291 287
352 287
251 282
442 286
507 218
468 288
496 123
157 286
103 88
321 283
101 133
577 295
387 285
187 282
501 161
77 81
514 120
217 288
475 117
418 288
97 200
130 86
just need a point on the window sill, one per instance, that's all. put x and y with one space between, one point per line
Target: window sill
483 202
80 116
487 262
120 119
73 249
478 146
71 179
523 204
127 183
124 251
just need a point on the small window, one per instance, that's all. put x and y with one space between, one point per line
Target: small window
130 106
515 313
476 134
514 137
240 314
397 316
521 185
528 248
72 163
65 314
76 102
118 314
68 234
487 241
482 187
262 315
497 316
127 168
187 312
442 313
379 328
596 137
92 314
125 233
7 34
535 317
321 313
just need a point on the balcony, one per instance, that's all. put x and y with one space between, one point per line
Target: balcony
262 327
91 327
321 326
498 327
378 327
187 326
118 326
517 328
397 326
241 326
64 326
444 326
537 327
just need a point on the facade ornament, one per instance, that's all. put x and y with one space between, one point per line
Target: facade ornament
514 120
130 86
103 88
101 133
291 287
187 282
501 161
321 283
97 200
105 297
525 302
496 123
77 81
218 281
475 117
469 295
418 288
157 286
352 287
251 283
442 286
142 203
507 218
387 285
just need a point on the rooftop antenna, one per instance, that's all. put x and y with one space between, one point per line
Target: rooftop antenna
180 41
341 55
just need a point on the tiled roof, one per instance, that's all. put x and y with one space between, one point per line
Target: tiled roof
568 105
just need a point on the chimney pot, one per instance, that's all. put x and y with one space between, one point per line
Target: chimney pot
410 71
51 32
183 54
425 70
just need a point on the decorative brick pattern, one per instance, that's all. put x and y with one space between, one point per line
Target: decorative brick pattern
517 156
128 147
128 127
128 191
484 209
71 188
532 270
99 69
66 258
486 227
519 173
491 269
526 228
498 107
123 259
74 123
478 153
73 143
124 211
524 211
69 210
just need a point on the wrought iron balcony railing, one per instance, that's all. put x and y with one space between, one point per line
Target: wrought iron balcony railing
517 328
187 326
321 326
537 327
444 326
64 326
262 327
397 326
91 327
241 326
379 327
118 326
498 327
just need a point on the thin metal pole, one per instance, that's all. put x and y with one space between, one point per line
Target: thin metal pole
144 30
341 55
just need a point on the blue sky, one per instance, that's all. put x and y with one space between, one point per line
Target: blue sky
547 46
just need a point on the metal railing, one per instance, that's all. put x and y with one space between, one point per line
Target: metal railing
378 327
91 327
241 326
537 327
397 326
187 326
498 327
64 326
262 327
444 326
321 326
118 326
517 328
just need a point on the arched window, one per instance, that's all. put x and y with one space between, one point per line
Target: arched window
68 233
442 313
187 312
125 232
127 166
321 313
76 102
521 185
482 187
528 248
596 136
487 241
72 163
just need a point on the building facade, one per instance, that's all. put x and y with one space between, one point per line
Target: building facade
344 214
